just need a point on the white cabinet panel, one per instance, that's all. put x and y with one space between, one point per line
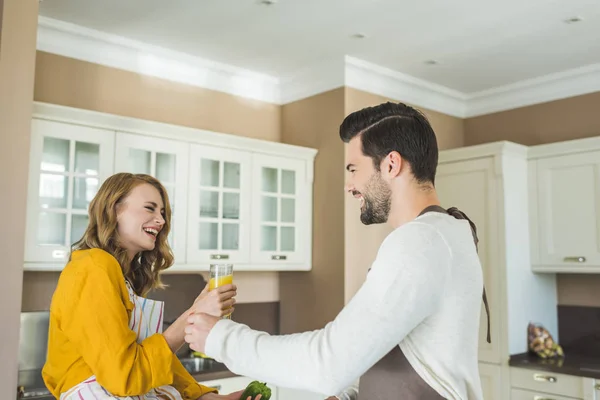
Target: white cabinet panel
471 186
491 381
68 163
282 212
219 205
566 212
167 161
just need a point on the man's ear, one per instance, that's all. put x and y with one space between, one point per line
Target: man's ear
392 164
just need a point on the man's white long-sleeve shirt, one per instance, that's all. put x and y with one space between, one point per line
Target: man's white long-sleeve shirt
423 293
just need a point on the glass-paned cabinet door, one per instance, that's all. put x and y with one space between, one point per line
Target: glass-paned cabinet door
68 163
281 216
167 161
219 205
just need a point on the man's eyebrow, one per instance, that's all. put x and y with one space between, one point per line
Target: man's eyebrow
349 166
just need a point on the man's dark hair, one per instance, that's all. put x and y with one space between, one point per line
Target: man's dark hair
395 127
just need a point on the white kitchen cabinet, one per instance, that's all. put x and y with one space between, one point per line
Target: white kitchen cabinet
282 212
565 212
68 163
534 384
234 199
167 161
219 205
456 182
489 184
491 381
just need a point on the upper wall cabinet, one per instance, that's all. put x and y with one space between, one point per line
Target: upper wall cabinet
282 205
234 199
220 191
67 163
167 161
565 206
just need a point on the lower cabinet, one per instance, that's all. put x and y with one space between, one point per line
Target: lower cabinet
491 381
529 384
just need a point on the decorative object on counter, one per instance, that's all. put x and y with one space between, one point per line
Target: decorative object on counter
541 342
255 388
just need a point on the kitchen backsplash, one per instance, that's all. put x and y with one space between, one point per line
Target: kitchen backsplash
579 330
180 293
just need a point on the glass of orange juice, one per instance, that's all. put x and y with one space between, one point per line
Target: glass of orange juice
220 275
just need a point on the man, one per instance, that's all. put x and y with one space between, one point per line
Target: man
411 330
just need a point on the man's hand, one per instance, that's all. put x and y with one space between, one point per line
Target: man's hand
197 330
231 396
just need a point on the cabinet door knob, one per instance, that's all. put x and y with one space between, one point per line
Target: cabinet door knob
544 378
574 259
278 257
541 398
219 256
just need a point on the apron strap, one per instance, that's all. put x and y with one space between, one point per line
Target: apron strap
456 213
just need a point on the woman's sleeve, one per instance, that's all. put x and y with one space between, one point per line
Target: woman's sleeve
95 319
185 383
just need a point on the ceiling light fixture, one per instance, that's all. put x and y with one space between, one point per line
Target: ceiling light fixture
573 20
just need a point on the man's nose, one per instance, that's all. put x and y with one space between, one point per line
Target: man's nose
349 187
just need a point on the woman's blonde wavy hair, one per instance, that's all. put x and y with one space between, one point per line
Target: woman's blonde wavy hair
143 273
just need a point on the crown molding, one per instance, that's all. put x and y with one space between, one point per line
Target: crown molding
386 82
97 47
570 83
316 79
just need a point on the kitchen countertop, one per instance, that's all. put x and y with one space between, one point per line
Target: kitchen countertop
571 364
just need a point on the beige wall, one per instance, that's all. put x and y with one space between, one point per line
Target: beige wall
556 121
74 83
310 300
362 242
18 29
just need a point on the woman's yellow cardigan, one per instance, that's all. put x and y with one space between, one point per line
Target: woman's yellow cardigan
89 335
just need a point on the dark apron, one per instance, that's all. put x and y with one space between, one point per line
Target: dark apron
392 377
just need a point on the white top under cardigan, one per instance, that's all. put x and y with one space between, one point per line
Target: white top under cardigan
423 293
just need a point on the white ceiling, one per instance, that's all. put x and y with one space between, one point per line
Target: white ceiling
479 44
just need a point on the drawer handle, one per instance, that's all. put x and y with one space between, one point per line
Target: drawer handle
544 378
541 398
279 257
574 259
219 256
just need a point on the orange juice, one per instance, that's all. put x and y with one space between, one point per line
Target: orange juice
220 274
219 281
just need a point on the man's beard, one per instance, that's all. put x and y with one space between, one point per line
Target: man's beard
377 201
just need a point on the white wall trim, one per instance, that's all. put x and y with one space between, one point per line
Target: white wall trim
483 150
543 89
158 129
574 146
86 44
385 82
89 45
313 80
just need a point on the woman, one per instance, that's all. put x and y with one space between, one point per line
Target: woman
105 339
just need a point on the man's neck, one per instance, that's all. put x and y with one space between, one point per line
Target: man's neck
407 207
